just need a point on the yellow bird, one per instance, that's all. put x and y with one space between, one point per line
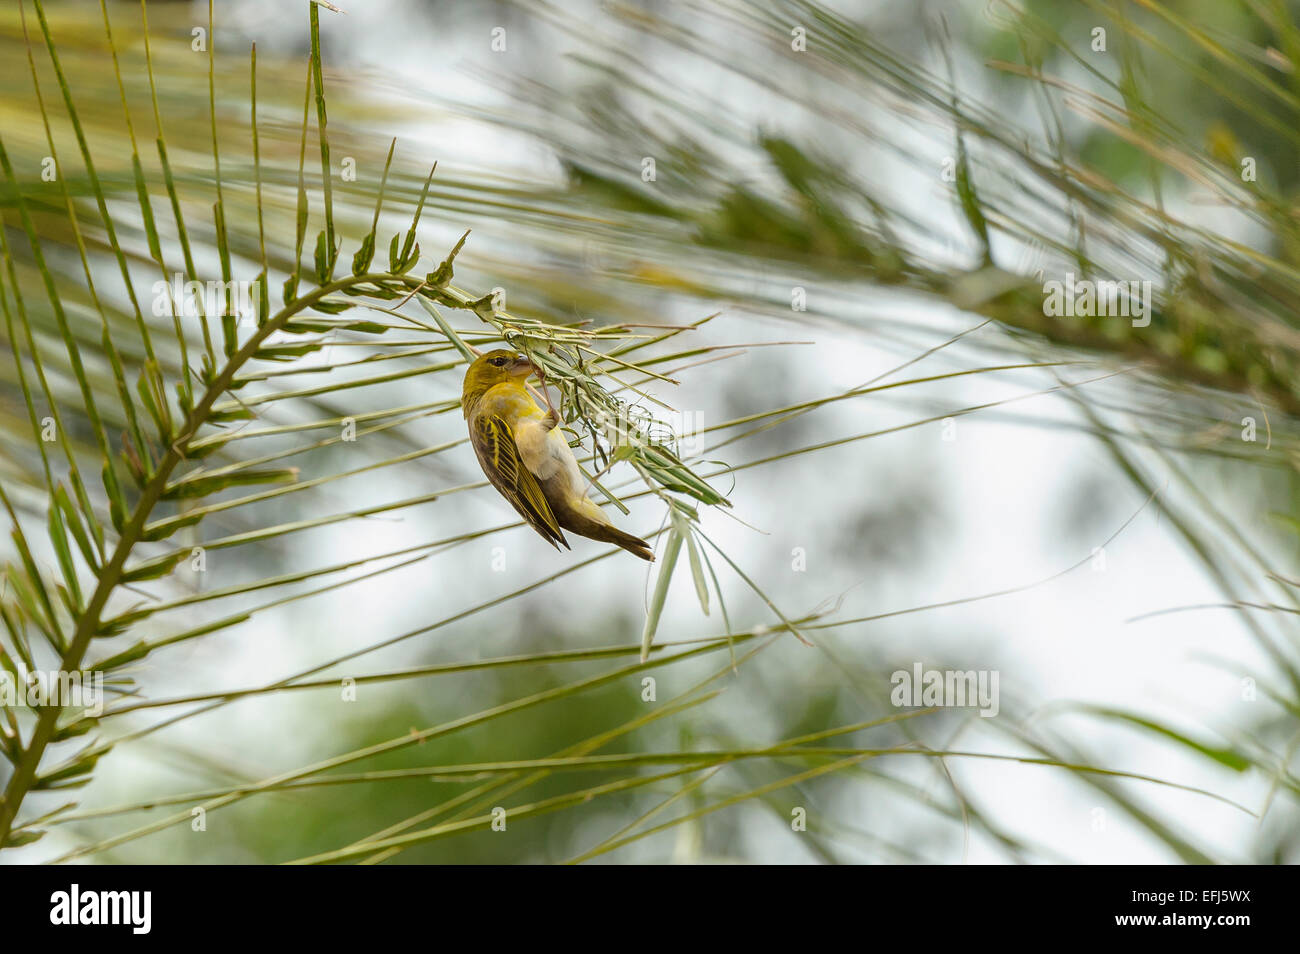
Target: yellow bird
524 454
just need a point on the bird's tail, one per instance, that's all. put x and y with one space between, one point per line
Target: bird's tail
605 531
632 544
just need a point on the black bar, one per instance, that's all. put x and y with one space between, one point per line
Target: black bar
336 903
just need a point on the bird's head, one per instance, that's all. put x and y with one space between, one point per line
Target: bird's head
493 368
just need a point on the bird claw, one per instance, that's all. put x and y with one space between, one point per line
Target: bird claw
553 416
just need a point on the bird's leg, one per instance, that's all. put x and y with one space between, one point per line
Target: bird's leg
553 418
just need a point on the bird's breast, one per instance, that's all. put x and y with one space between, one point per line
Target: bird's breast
547 455
510 402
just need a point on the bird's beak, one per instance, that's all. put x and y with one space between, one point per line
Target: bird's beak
522 367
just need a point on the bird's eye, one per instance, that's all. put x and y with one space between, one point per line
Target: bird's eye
499 362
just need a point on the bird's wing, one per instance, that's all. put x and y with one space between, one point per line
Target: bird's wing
495 445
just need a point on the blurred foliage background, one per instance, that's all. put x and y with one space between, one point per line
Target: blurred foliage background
814 237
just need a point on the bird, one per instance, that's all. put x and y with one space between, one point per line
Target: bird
524 454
